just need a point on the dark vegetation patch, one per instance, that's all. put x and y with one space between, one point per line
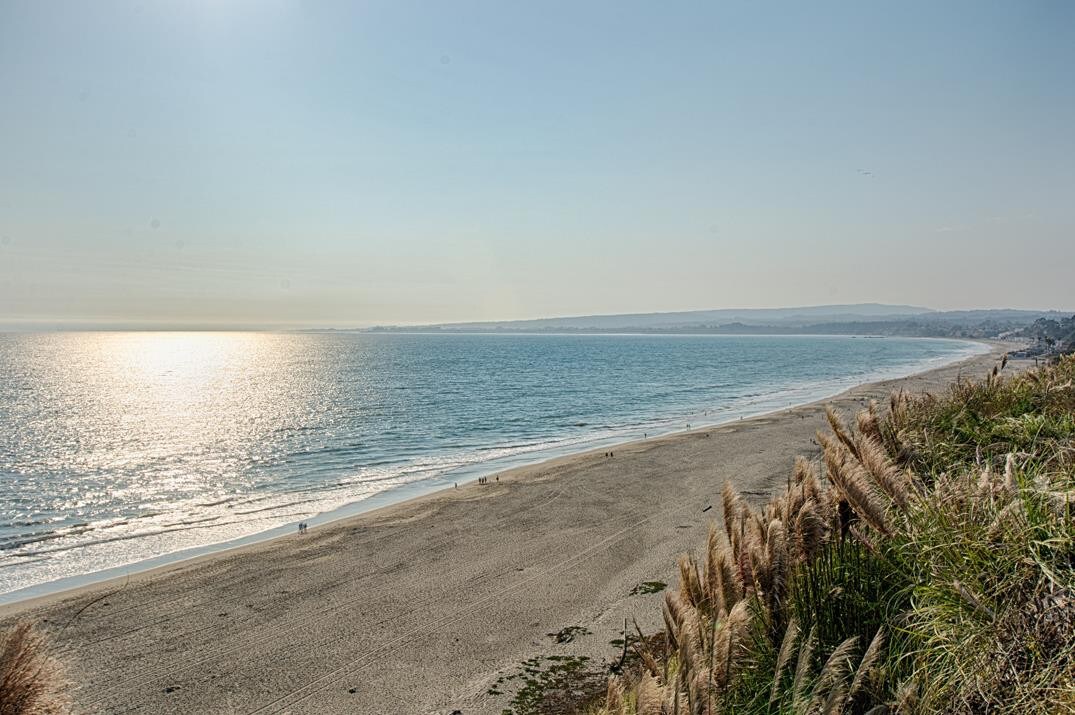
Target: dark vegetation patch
568 634
647 587
552 685
571 684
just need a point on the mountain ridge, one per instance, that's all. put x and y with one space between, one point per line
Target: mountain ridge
686 318
857 318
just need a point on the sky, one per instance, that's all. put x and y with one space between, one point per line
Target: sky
282 163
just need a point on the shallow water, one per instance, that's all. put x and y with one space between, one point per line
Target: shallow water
121 447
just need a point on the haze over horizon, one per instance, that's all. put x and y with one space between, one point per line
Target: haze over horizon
306 164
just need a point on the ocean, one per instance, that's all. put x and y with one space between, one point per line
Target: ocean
121 451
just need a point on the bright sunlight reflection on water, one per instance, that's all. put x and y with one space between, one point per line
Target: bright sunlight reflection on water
123 435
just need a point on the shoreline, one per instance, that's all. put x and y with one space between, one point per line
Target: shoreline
437 485
467 583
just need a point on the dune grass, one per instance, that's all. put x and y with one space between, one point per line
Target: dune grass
925 564
30 680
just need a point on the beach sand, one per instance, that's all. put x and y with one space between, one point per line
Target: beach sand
420 607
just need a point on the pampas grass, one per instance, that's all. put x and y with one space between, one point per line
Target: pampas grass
787 649
30 680
940 532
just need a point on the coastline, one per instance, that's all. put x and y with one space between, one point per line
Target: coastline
554 544
744 408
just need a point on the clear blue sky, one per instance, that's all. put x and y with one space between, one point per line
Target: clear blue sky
315 163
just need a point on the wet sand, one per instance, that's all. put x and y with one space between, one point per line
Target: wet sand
420 607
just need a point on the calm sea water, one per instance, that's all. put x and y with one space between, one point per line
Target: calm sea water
116 448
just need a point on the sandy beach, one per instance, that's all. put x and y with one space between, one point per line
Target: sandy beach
422 606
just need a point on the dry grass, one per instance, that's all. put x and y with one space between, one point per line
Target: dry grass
940 536
30 680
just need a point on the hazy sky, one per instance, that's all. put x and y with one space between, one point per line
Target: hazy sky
288 163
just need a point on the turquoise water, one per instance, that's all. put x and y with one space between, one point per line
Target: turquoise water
131 448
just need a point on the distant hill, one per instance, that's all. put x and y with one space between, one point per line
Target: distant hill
1050 336
856 319
690 319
